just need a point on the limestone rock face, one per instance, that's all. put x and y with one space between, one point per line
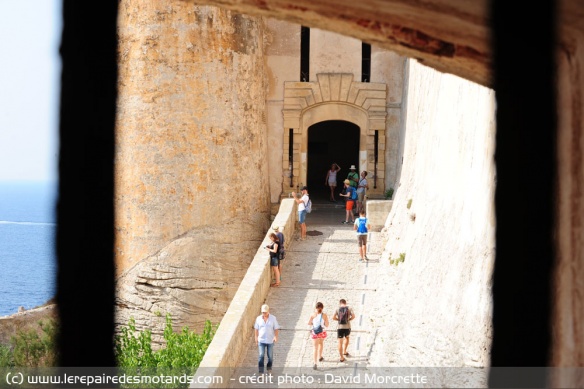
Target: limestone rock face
436 308
191 183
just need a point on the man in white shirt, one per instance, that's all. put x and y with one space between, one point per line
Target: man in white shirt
361 192
266 334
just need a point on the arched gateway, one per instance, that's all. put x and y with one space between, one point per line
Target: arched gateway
334 97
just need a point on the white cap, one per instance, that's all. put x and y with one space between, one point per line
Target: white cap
265 308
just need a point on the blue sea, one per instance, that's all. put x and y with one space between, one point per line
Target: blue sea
27 244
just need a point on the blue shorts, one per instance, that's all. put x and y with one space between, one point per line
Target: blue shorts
301 216
274 261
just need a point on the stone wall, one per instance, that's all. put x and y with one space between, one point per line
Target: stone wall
192 197
436 305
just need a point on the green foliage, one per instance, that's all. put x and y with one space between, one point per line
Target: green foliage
183 352
29 349
409 203
6 358
389 193
397 261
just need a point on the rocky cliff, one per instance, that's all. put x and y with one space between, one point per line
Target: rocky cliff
435 306
192 196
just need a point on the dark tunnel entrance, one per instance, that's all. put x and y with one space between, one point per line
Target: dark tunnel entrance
328 142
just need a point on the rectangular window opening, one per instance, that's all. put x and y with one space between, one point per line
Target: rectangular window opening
291 156
376 154
304 54
365 62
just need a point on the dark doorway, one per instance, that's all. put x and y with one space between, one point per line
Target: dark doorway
328 142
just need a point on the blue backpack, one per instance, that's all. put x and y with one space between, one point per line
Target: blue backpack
353 193
362 227
308 206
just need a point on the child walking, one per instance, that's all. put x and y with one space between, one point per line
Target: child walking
362 227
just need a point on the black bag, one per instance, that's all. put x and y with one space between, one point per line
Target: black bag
282 254
319 329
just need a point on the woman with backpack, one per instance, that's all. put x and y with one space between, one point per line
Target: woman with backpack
274 257
318 322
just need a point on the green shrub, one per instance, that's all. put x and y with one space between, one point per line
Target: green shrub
6 358
29 349
389 193
182 353
397 261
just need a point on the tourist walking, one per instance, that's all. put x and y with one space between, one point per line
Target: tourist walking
362 226
281 249
350 196
266 329
302 203
319 323
273 248
361 192
331 180
343 315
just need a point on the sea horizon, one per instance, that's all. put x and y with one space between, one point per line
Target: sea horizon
27 244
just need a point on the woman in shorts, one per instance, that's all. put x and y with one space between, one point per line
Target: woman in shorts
331 180
318 322
274 257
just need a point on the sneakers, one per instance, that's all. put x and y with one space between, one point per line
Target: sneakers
344 222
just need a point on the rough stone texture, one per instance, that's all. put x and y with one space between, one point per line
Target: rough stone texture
191 190
442 219
429 30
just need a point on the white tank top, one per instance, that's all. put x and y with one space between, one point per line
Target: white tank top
332 176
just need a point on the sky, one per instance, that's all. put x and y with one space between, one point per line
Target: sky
29 89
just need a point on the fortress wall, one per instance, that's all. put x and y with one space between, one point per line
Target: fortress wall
192 197
388 67
437 305
283 64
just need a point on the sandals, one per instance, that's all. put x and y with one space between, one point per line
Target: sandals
275 284
321 359
346 354
342 360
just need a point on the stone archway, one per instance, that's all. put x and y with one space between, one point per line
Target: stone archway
333 97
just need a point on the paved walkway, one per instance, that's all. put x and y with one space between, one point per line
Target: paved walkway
324 268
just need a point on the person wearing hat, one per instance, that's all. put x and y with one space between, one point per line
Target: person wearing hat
281 246
348 194
302 201
266 329
353 176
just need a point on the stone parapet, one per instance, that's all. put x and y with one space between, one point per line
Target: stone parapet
232 336
377 212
